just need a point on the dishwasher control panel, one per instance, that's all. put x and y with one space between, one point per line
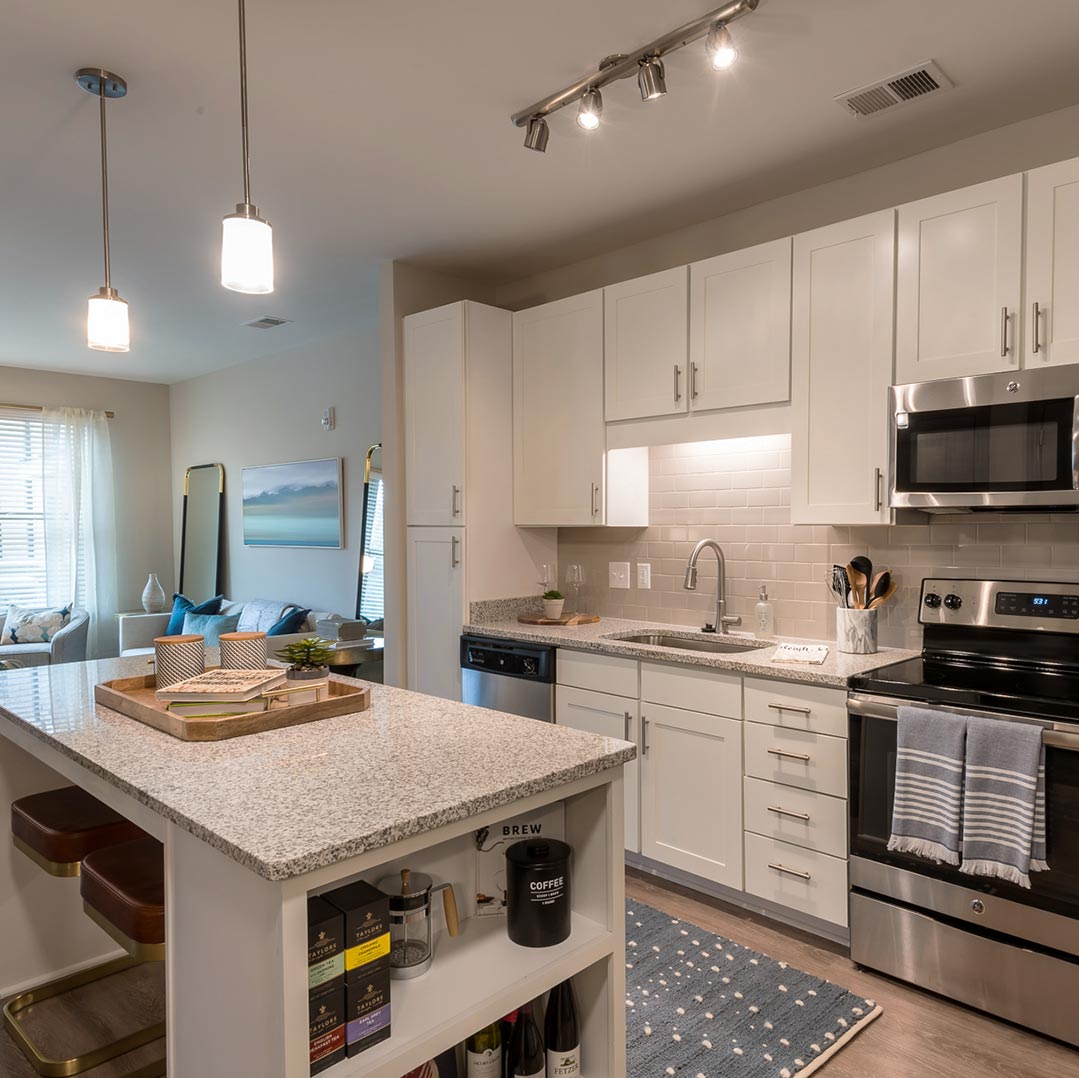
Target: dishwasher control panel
509 657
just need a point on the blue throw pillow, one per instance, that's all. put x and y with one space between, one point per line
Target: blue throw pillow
182 605
292 622
210 626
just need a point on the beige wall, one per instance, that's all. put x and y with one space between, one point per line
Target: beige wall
139 433
269 411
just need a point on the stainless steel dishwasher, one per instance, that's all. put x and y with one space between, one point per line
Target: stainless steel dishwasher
508 675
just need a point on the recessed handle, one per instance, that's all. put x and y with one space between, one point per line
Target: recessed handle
677 383
1004 332
1036 318
790 871
791 707
803 756
454 560
455 507
780 811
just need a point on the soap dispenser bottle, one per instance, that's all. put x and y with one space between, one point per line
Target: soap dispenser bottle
766 615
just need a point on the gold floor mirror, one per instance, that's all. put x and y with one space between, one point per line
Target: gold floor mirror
200 534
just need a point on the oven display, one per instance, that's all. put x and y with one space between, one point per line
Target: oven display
1031 605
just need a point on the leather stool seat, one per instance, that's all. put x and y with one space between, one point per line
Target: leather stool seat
62 826
124 886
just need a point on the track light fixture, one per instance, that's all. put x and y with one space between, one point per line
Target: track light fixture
645 62
590 110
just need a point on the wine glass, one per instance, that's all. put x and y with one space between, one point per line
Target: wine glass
575 576
548 575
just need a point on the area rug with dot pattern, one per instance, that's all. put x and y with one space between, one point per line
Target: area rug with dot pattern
701 1006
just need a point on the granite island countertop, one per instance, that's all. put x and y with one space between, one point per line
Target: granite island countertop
290 801
836 671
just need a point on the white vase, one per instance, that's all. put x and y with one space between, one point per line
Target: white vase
856 631
153 595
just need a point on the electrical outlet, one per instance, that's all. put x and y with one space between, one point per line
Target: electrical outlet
618 574
644 575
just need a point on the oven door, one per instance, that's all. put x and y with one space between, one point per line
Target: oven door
1047 913
975 443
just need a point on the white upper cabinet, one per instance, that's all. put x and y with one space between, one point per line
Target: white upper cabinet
645 351
842 337
558 431
1052 315
959 282
434 369
740 328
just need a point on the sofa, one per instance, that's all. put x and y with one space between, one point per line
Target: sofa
67 646
137 631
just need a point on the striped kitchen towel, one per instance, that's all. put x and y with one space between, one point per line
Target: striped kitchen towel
929 784
1004 801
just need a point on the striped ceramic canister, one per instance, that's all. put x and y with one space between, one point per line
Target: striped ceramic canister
243 651
176 658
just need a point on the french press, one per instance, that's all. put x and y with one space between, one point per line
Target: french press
411 928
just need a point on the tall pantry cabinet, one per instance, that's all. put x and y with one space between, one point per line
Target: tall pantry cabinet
461 543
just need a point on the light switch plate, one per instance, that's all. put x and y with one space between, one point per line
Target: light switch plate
644 575
618 574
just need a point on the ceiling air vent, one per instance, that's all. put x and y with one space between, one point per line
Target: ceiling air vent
268 322
898 89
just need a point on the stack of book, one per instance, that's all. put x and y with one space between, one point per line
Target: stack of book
217 693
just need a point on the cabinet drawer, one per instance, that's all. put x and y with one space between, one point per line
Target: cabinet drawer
797 707
693 688
803 880
600 673
802 817
797 758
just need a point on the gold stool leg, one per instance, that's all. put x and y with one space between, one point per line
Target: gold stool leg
63 1068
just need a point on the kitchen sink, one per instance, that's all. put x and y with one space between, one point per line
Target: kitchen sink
715 645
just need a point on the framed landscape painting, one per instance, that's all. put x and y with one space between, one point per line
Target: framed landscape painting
295 504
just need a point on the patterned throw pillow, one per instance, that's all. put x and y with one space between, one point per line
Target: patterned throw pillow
25 626
210 626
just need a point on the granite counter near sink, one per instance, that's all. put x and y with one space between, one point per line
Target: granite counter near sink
836 671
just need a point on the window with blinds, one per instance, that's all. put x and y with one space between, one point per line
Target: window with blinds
22 509
373 592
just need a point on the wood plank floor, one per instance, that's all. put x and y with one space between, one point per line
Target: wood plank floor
917 1035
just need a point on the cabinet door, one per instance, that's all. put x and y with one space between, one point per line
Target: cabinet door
1052 265
434 351
959 280
645 347
608 716
842 365
740 328
436 610
691 792
558 434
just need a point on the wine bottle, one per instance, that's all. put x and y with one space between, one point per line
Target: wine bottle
483 1052
508 1023
526 1047
562 1032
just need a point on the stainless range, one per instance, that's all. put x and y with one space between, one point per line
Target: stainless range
1008 650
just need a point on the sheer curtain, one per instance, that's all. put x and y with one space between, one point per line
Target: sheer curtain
80 519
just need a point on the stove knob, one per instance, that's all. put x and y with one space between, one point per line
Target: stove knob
952 602
932 600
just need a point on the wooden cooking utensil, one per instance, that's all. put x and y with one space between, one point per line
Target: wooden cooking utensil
857 583
880 600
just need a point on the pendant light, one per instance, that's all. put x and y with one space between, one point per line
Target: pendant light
107 327
246 237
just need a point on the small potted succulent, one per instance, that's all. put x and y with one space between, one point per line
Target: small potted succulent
308 662
552 604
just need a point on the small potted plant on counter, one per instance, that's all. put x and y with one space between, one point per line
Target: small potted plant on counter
308 669
552 605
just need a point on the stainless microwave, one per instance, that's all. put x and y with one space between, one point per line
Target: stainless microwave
995 441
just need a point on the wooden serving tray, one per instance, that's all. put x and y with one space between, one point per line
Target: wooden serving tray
136 698
566 619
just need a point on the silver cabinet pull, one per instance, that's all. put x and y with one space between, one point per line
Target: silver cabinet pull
803 756
693 381
595 506
454 560
644 736
455 508
1003 332
791 707
878 489
677 383
1036 317
780 811
790 871
628 720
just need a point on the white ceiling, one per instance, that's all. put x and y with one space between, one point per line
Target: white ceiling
380 130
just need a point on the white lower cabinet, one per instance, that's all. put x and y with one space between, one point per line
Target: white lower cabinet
436 610
609 716
797 758
802 817
805 880
691 792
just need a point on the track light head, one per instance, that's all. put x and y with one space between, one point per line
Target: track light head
537 134
650 78
590 110
720 47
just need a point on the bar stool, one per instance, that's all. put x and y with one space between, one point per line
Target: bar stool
58 830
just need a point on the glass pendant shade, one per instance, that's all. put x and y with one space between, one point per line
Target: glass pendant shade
246 252
107 327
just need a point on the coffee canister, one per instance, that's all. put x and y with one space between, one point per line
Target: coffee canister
538 892
243 651
176 658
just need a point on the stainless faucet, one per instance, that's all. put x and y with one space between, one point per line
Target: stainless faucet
690 584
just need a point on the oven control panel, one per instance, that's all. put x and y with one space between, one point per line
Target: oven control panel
1000 604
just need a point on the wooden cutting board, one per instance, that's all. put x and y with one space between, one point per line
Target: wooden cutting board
566 619
136 698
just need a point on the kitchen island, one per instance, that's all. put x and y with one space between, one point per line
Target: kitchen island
253 826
